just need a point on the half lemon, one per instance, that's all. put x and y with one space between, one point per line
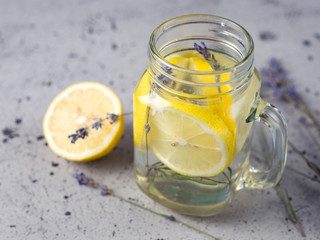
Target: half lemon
77 107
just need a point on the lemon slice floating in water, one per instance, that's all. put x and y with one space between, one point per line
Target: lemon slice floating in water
75 108
188 146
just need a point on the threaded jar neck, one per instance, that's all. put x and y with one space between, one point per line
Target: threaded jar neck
220 36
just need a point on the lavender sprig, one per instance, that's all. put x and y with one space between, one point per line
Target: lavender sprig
209 56
80 133
303 121
98 124
311 165
276 78
164 79
84 180
104 191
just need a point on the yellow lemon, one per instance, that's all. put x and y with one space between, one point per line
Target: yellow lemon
140 110
218 99
200 64
187 145
182 60
77 107
190 139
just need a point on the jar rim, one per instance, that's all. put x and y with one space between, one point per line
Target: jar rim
207 18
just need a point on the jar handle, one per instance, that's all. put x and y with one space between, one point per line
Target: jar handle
271 117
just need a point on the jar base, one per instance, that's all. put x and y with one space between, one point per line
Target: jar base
160 192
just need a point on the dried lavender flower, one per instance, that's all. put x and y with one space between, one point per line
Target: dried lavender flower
154 86
83 132
209 56
164 79
167 69
303 121
147 127
98 124
104 190
171 218
113 117
80 133
275 77
84 180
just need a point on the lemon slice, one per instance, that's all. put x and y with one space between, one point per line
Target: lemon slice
218 100
140 110
188 146
75 108
200 64
182 60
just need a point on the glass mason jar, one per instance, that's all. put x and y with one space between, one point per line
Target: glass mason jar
194 108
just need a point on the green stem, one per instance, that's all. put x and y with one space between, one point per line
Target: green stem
312 136
146 143
157 165
312 165
127 113
202 180
302 207
303 107
291 211
136 204
162 215
196 229
226 176
302 174
212 65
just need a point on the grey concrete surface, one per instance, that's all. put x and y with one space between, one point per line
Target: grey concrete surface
46 46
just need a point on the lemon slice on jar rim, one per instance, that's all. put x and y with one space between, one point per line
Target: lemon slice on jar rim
77 107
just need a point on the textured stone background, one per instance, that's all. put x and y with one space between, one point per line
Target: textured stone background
47 45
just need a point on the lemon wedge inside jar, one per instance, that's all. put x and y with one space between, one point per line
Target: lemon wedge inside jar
190 139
